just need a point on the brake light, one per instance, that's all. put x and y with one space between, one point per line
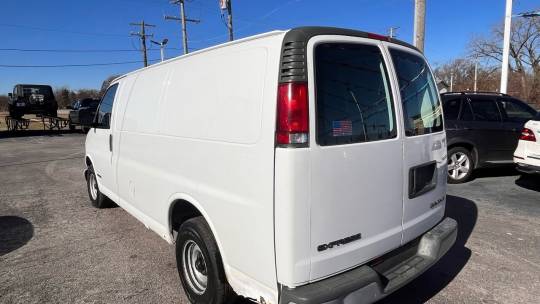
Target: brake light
377 36
292 125
527 134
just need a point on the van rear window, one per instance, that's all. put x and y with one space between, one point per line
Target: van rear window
419 95
353 99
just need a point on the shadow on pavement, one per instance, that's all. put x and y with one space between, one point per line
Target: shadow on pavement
530 182
448 267
503 170
15 232
27 133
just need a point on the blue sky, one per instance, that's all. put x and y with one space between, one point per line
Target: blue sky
104 25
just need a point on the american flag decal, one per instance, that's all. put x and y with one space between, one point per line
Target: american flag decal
341 128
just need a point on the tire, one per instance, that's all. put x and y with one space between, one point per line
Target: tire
71 127
460 165
98 199
199 264
85 129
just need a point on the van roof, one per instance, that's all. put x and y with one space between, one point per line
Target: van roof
293 61
238 41
295 36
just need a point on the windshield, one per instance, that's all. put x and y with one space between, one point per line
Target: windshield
37 90
419 95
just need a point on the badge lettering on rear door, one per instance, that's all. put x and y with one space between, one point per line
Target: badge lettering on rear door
436 203
340 242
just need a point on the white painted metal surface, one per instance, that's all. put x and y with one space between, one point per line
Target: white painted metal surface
529 151
200 128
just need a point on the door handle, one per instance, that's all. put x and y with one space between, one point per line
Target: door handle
110 142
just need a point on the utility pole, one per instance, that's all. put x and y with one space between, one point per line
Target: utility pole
506 46
142 34
419 24
229 20
183 20
476 75
226 5
392 31
452 82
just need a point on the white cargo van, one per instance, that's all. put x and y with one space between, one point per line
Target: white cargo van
300 166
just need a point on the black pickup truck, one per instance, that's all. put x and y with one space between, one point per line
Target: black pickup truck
32 99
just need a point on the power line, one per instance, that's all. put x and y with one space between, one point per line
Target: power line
72 65
35 28
70 50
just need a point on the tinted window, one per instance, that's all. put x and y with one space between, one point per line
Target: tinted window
537 117
516 111
451 108
419 94
103 116
485 110
466 111
89 103
41 90
354 103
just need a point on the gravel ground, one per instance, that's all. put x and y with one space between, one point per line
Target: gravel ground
56 248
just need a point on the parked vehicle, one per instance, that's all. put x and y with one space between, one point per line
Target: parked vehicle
82 113
482 129
32 99
527 154
281 166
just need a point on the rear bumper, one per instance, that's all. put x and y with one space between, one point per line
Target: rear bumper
371 282
527 169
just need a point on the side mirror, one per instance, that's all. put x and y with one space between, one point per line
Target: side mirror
10 95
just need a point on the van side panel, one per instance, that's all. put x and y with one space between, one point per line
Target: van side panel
292 213
206 131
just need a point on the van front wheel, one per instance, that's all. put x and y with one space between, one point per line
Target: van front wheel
199 264
98 199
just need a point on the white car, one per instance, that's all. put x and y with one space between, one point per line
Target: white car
527 154
299 166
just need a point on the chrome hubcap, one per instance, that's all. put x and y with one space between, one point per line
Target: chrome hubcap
194 267
93 186
459 165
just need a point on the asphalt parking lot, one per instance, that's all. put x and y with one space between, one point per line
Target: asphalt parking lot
56 248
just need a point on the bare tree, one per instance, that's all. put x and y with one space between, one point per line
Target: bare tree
3 103
65 96
107 82
462 72
524 53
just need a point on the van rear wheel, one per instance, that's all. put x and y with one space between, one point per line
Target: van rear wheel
98 199
199 264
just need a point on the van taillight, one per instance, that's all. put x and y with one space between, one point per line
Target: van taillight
292 126
527 134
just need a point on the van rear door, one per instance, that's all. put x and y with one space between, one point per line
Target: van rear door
356 154
424 143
